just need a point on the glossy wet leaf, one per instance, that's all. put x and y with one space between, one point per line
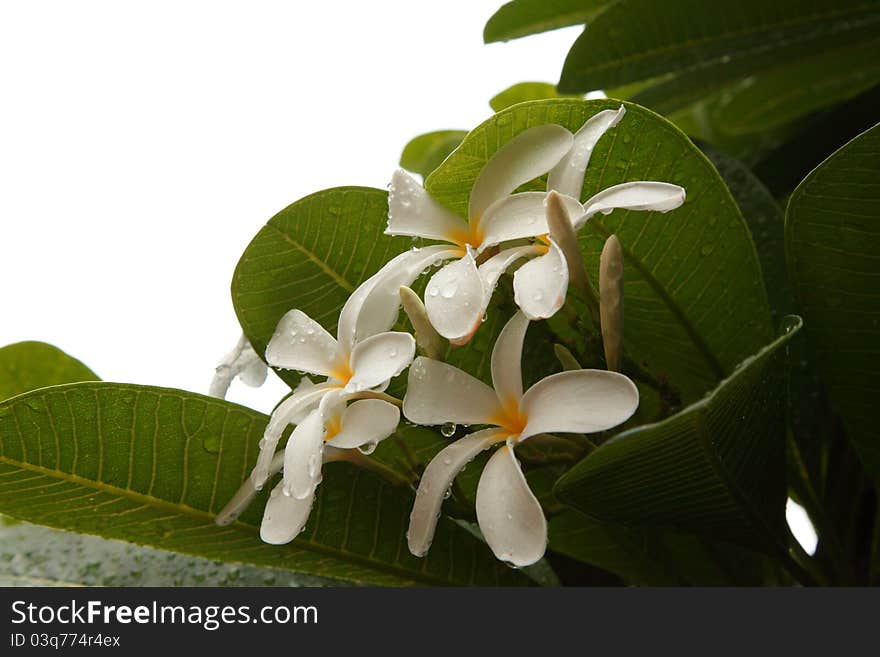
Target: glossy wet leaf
694 295
27 366
523 17
789 92
715 468
424 153
832 234
153 466
708 44
31 555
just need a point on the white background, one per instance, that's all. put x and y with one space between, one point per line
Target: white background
143 144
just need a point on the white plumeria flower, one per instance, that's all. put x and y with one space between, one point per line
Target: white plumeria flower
509 515
457 296
363 358
327 433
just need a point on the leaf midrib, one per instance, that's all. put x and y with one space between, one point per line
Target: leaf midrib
183 509
311 256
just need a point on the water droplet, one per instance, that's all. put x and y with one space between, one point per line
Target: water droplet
433 290
707 249
368 448
537 296
449 290
447 493
212 444
448 429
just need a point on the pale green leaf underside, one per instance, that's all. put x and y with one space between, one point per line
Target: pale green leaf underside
424 153
832 235
694 295
153 466
522 92
715 468
523 17
27 366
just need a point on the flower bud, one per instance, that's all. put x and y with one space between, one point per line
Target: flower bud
611 301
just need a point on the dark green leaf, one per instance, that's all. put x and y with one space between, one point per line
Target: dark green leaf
653 558
766 223
789 92
832 234
695 300
523 17
153 466
714 469
311 256
706 43
424 153
26 366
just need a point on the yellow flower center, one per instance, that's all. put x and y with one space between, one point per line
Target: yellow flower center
510 417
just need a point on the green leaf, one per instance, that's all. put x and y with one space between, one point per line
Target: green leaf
714 469
767 225
789 92
832 237
707 43
695 300
653 558
424 153
27 366
523 17
153 466
525 91
311 256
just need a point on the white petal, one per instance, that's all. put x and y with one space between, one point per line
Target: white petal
305 384
300 343
579 401
373 307
530 154
567 177
507 359
284 516
380 358
436 480
491 269
514 217
366 422
412 211
437 393
382 305
253 369
642 195
286 413
509 514
454 300
302 457
540 285
245 495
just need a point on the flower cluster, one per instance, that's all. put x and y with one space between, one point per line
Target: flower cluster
346 414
